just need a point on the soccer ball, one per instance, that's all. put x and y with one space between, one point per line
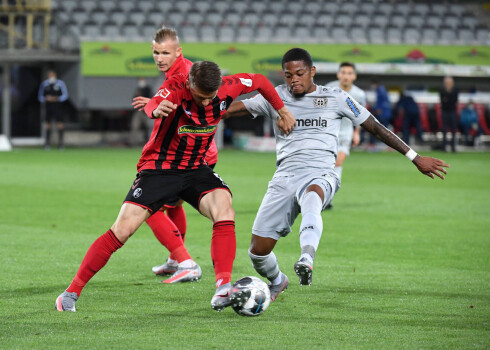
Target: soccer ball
250 296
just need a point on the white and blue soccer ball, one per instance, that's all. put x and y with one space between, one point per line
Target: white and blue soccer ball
250 296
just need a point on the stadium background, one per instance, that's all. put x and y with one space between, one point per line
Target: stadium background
100 47
404 259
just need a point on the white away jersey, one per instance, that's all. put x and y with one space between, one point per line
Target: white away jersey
360 96
312 145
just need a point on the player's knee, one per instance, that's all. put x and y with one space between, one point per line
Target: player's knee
225 213
258 250
261 246
123 231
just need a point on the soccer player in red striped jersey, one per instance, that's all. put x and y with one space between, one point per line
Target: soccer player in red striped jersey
173 164
171 229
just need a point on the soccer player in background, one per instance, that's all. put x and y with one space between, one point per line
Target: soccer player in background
305 179
348 135
449 103
173 164
172 228
52 93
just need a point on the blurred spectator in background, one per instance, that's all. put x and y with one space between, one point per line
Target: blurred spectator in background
382 107
449 102
139 119
52 93
411 117
469 121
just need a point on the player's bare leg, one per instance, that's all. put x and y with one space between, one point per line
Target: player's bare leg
129 219
311 228
265 263
217 206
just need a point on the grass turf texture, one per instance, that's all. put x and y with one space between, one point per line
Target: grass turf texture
403 262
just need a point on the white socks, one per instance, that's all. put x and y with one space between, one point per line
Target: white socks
172 262
266 266
187 263
311 227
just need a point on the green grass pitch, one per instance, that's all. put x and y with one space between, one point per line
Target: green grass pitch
404 260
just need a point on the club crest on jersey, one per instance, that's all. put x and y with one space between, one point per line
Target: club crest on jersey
163 93
222 106
352 106
192 129
320 102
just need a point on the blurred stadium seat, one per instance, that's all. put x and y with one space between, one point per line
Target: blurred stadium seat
445 22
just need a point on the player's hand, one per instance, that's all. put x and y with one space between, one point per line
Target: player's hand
286 121
431 166
139 102
356 138
164 109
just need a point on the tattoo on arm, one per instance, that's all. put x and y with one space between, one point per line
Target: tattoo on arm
385 135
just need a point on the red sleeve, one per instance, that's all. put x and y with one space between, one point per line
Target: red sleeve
257 82
170 90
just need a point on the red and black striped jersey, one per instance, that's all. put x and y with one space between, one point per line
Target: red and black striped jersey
182 140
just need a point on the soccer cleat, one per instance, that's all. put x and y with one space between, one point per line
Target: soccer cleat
185 274
304 270
165 269
221 297
66 302
277 289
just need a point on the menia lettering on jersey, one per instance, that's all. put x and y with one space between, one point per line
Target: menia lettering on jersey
312 122
191 129
353 107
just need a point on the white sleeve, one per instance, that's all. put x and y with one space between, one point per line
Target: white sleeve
258 105
350 108
362 99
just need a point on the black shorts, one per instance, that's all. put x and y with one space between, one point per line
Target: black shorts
153 188
172 203
54 112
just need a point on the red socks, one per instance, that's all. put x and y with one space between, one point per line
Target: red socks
97 256
223 248
177 215
167 233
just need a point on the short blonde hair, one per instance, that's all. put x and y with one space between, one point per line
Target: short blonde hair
164 34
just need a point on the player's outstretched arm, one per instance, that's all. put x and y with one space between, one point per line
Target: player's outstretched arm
139 102
236 109
164 109
427 165
285 122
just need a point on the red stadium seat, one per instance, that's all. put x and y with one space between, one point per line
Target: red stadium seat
480 110
424 116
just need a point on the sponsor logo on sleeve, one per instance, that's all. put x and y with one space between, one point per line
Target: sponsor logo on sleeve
353 107
246 82
163 93
320 102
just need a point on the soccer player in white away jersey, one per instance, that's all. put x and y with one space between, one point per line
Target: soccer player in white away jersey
305 180
348 135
